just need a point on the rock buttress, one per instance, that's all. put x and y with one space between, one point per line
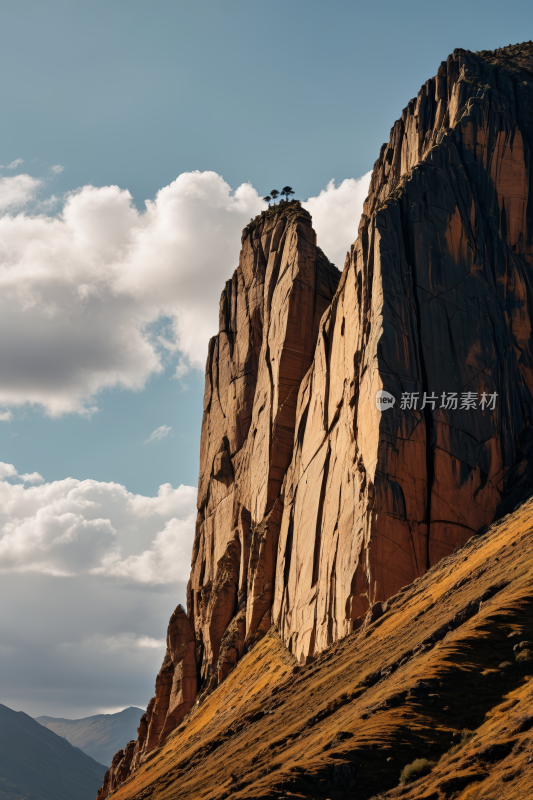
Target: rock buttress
269 319
436 296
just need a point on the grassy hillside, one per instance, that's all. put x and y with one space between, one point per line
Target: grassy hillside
99 736
37 764
436 692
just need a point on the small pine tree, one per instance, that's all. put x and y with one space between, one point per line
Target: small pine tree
274 193
287 191
267 199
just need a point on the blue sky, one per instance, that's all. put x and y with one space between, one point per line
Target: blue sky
133 94
139 96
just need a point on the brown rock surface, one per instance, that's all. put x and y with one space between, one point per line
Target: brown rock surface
405 687
436 296
119 770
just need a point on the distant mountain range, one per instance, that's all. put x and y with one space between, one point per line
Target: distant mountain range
99 736
37 764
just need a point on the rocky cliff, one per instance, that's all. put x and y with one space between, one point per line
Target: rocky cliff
270 314
317 503
434 307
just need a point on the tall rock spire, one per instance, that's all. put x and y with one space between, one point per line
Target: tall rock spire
269 320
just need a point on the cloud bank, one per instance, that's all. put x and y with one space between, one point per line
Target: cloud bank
72 528
76 646
89 576
79 291
102 295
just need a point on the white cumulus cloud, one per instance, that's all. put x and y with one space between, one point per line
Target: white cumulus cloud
17 190
124 641
85 294
80 290
72 527
159 434
336 213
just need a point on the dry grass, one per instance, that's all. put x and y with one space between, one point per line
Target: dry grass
346 725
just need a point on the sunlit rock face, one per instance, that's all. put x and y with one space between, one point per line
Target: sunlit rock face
436 297
316 503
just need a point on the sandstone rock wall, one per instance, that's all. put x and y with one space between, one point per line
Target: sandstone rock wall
436 296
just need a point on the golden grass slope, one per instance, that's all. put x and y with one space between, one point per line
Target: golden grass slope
442 675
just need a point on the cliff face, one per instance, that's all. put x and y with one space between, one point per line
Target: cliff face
436 297
315 506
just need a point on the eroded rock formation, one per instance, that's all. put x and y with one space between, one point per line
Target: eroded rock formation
175 689
315 506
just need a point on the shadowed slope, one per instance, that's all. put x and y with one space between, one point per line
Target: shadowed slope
37 764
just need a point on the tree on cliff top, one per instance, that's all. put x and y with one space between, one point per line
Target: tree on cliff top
267 199
274 193
287 191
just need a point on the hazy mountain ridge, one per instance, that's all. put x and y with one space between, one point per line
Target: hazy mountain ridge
99 736
37 764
